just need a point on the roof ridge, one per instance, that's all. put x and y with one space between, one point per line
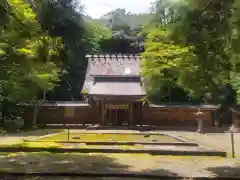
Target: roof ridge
112 54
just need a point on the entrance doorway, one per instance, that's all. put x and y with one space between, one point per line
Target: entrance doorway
117 117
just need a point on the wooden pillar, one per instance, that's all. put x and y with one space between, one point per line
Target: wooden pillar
116 117
140 113
103 113
130 115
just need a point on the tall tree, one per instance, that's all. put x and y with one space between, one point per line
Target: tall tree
161 62
117 21
96 33
29 62
204 26
61 19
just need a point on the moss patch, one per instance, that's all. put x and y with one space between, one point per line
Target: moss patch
35 145
86 137
67 145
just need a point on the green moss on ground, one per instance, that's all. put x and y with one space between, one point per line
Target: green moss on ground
110 138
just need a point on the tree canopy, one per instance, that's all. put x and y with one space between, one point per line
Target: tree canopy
189 48
194 44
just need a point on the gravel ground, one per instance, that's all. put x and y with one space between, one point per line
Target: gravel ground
13 138
141 164
219 141
71 178
127 163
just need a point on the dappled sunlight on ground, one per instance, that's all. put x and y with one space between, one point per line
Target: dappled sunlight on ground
118 164
122 163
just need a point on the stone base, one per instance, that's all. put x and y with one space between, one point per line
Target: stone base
147 149
200 132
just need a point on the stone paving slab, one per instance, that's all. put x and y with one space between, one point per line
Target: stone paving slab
108 149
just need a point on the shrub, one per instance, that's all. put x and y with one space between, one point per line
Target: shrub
13 124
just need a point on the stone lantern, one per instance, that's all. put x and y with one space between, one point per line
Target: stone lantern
199 118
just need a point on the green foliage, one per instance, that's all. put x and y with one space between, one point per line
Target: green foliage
129 19
211 46
30 62
26 69
13 125
96 34
61 19
192 46
161 62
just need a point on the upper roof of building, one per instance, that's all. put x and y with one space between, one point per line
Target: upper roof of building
114 75
113 64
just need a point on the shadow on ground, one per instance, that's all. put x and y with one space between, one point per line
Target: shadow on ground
225 171
60 164
113 166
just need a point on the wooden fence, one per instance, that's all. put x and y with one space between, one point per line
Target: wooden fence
154 115
175 116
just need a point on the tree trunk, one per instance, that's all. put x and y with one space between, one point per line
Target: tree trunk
225 116
4 111
35 114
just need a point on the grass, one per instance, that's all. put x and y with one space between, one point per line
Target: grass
54 141
96 137
34 145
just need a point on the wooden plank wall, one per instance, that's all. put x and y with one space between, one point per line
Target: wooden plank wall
174 116
55 115
157 116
